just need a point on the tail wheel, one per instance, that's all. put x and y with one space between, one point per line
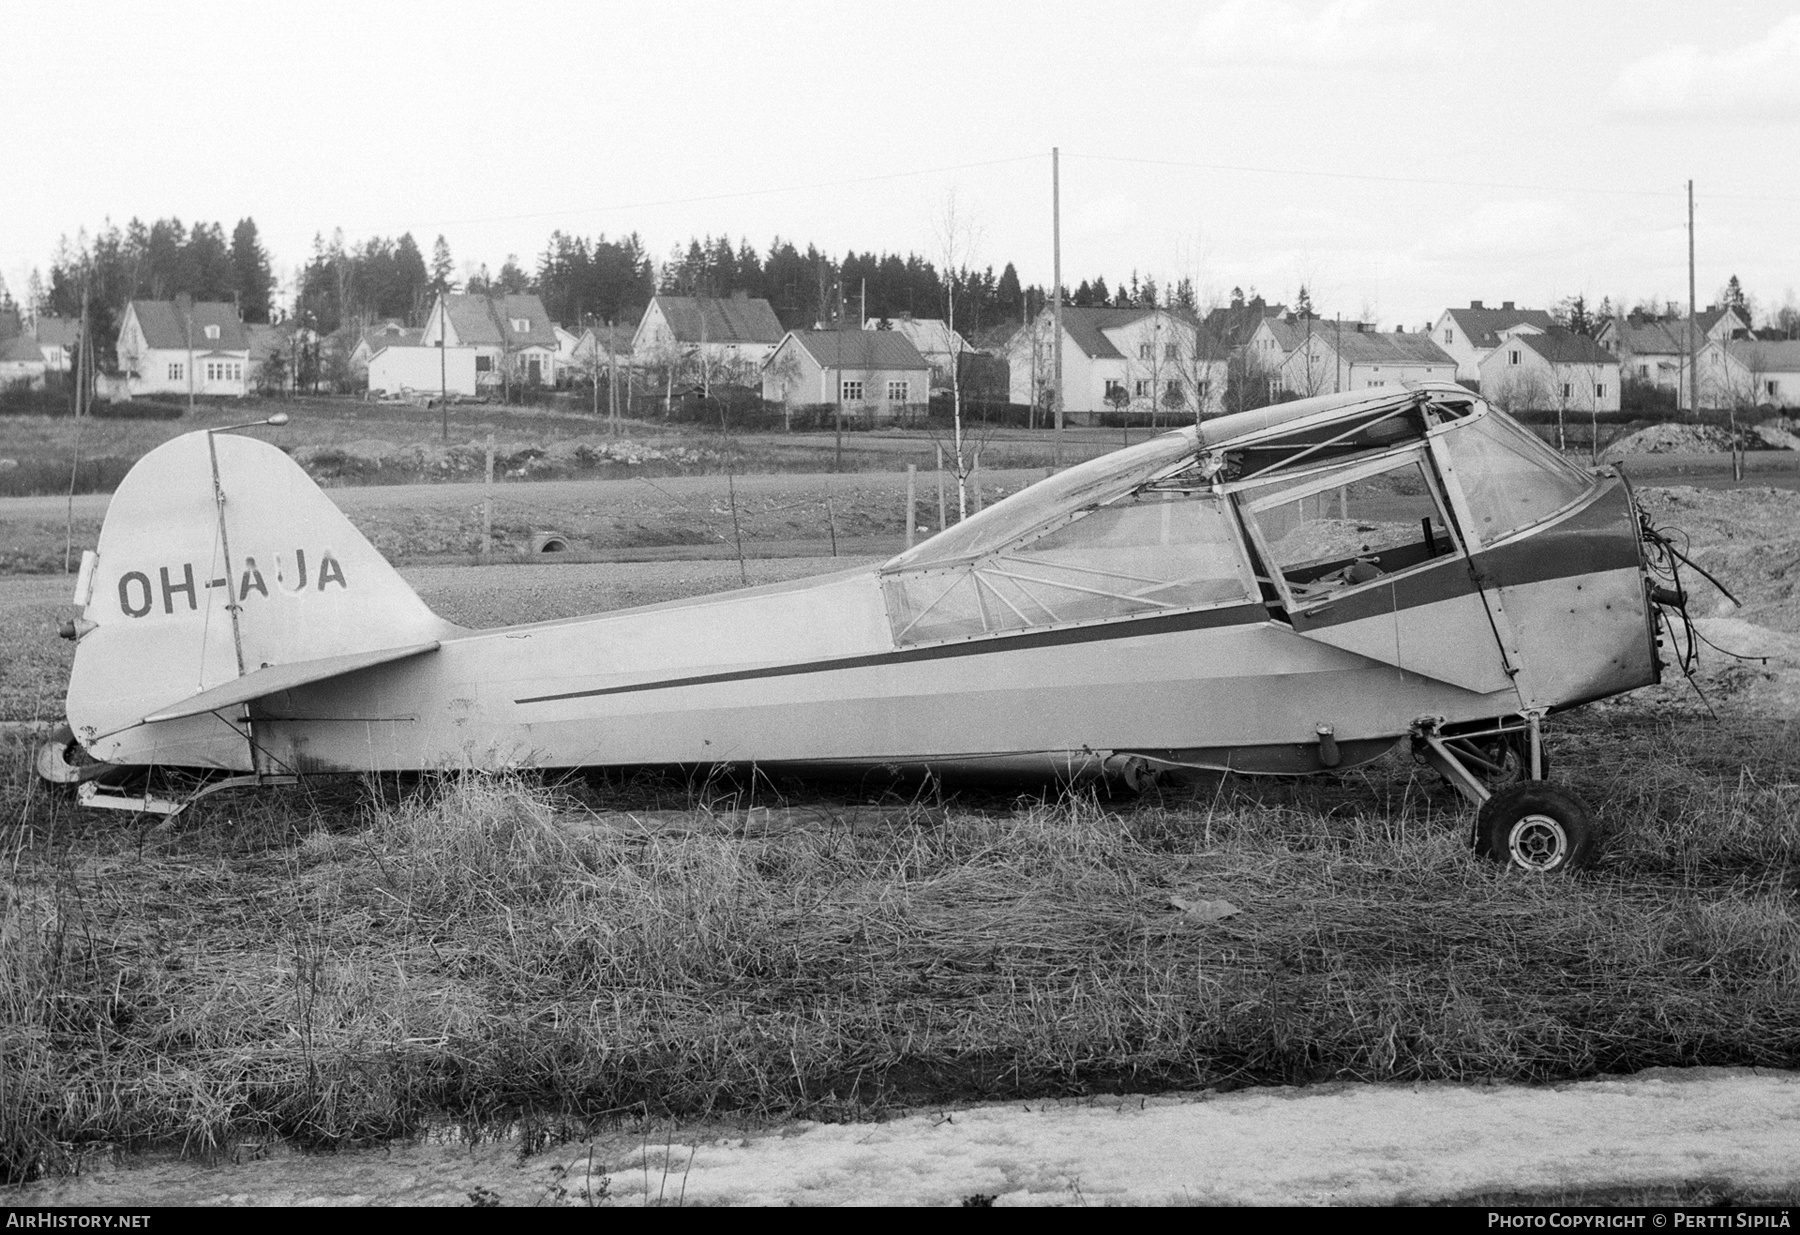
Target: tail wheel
1536 827
62 761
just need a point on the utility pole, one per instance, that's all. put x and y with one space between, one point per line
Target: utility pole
444 364
1693 316
1057 292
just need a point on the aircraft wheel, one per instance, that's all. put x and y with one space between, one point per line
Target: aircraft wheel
62 761
1536 827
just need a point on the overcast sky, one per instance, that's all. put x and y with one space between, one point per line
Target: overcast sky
1397 156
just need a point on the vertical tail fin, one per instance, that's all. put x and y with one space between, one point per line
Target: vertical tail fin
219 556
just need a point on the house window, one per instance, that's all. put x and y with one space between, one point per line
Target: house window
174 373
1568 390
212 332
1512 357
1643 370
1112 387
851 392
899 392
1172 394
1142 390
1168 351
1449 336
484 364
521 325
1599 390
1769 389
1143 351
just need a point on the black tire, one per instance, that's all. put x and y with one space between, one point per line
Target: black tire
1536 827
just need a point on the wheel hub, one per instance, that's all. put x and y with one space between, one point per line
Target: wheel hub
1538 842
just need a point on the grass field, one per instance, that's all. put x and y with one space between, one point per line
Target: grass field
348 441
346 962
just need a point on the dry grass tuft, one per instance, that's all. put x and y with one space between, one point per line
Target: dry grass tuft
347 963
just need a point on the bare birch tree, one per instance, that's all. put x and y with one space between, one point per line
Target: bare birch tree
956 236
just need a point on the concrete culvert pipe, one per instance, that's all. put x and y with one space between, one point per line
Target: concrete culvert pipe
549 542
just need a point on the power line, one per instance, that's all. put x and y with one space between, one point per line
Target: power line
720 197
1419 180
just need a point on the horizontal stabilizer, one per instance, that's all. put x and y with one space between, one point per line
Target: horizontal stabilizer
276 678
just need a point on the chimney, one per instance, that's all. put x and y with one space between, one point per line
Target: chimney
1507 305
1474 304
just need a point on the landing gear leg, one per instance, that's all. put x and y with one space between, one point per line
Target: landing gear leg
1531 825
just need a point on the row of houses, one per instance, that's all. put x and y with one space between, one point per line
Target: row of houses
1522 358
1157 359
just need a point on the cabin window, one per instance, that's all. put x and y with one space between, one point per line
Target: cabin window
1148 553
1349 527
898 392
174 373
1142 389
1508 476
852 392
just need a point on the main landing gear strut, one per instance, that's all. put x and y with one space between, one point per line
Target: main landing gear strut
1500 768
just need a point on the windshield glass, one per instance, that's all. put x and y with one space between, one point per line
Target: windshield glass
1509 476
1030 508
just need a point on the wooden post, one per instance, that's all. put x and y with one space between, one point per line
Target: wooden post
943 510
912 505
487 504
831 517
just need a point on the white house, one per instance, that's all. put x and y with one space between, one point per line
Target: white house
1274 339
1546 370
1470 334
566 343
513 337
404 368
1750 373
933 339
1329 360
204 351
732 334
57 338
374 338
873 374
21 362
1656 350
601 346
1148 360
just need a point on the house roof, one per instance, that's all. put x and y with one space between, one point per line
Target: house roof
928 334
1234 324
1782 356
1291 332
1640 336
1482 327
709 319
487 320
860 349
20 348
389 333
58 331
597 336
164 327
1560 346
1376 347
1709 317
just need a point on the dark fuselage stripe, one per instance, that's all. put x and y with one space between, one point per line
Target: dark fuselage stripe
1235 615
1599 537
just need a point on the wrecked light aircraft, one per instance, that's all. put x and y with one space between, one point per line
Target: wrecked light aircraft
1287 590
